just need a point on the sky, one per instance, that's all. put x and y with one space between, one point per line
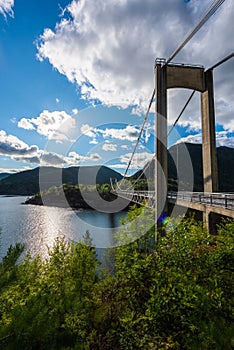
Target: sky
76 78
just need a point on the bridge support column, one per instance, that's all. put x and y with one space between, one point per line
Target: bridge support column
161 167
210 169
206 220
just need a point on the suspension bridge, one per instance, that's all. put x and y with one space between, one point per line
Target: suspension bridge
169 75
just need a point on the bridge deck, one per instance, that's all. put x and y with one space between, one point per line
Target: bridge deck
220 203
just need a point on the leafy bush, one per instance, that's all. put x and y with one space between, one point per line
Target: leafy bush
51 305
172 294
175 294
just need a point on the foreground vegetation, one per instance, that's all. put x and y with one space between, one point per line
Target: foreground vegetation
173 294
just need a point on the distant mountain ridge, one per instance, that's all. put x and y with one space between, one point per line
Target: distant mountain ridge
225 159
4 175
27 182
179 152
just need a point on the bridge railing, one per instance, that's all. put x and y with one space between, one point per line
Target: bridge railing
224 200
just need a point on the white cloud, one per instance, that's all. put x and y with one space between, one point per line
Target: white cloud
124 146
109 49
57 100
93 142
139 160
130 133
13 146
74 158
54 125
88 130
55 159
223 138
9 170
6 7
75 111
25 124
109 147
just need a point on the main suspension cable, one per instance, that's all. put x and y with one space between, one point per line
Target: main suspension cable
209 13
225 59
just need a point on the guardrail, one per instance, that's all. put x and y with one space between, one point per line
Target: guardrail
223 200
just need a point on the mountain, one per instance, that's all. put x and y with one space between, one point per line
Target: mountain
3 175
225 158
27 182
177 159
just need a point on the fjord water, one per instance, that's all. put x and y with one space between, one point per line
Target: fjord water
38 226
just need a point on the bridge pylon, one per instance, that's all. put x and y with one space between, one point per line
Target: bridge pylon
169 76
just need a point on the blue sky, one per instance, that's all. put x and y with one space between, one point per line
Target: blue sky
76 78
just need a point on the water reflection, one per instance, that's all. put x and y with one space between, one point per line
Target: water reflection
37 227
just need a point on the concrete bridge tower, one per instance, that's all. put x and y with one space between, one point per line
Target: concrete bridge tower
169 76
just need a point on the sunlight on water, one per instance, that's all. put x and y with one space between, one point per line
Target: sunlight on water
37 227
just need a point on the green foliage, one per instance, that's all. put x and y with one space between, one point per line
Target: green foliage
175 294
8 265
172 294
51 306
71 191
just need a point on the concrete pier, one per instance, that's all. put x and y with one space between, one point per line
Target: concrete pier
161 160
188 77
209 154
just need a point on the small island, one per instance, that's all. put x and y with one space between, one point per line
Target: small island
73 196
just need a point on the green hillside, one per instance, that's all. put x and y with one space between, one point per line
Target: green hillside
27 182
177 158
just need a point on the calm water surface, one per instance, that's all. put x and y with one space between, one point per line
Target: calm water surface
38 226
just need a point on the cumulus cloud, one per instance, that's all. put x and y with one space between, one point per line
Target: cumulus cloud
19 151
88 130
139 160
75 157
109 49
35 159
109 147
124 146
130 133
13 146
223 138
6 7
55 159
54 125
25 124
9 170
93 142
75 111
